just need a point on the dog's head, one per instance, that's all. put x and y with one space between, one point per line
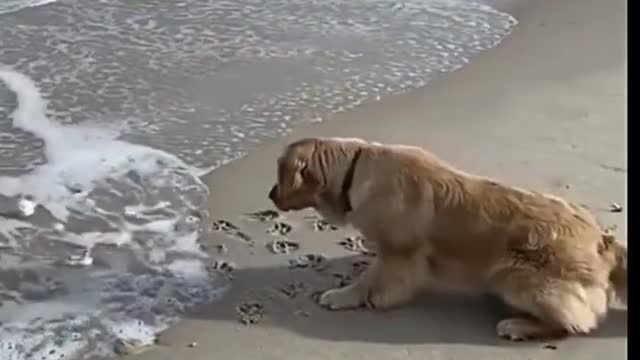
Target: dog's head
299 180
311 174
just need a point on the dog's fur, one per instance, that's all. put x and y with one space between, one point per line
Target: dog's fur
434 226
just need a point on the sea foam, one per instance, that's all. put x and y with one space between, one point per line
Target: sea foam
105 246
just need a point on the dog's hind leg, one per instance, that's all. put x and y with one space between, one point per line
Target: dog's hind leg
557 307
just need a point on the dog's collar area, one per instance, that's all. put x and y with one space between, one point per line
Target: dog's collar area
348 181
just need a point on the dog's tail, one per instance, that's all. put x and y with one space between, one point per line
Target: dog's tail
618 275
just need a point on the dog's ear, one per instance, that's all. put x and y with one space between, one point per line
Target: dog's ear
300 166
311 172
289 174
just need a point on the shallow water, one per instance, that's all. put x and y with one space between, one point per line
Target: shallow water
144 98
8 6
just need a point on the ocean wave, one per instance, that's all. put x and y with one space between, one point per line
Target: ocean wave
9 6
107 251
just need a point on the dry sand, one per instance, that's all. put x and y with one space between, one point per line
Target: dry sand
545 110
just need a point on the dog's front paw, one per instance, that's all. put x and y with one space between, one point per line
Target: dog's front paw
341 298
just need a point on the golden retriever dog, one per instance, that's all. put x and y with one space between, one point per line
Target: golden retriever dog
436 227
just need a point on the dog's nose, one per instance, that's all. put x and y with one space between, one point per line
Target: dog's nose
272 193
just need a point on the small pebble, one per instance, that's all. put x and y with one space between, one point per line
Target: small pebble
193 345
550 347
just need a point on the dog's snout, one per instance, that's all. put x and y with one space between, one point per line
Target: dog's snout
273 192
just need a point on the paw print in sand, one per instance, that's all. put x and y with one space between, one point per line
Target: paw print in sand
283 246
250 312
222 266
223 225
356 244
323 225
280 228
309 261
230 229
264 215
293 289
320 224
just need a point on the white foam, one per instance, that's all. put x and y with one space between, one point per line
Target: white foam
10 227
7 6
85 260
14 340
188 267
27 207
92 177
59 227
135 332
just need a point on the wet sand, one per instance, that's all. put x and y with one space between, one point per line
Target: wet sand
544 110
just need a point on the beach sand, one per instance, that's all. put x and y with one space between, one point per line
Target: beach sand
545 110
